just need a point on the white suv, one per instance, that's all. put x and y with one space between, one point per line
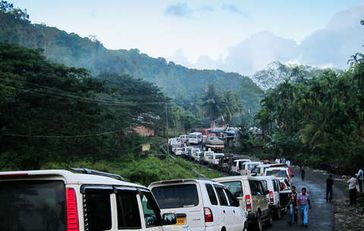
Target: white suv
199 205
272 184
252 197
62 200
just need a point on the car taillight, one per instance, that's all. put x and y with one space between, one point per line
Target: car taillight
271 196
248 203
72 216
208 215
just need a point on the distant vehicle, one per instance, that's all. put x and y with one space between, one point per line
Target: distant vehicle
195 138
259 170
183 138
80 200
186 152
206 156
214 142
227 161
178 151
246 167
214 159
200 205
195 154
231 132
272 184
252 197
279 172
237 165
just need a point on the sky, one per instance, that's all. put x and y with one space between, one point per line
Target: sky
229 35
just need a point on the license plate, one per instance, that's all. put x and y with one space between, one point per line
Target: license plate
181 221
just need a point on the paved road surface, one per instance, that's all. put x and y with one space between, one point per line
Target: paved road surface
321 216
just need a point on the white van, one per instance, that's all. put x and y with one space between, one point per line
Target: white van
206 156
214 159
237 165
61 200
194 138
272 184
199 205
252 197
246 168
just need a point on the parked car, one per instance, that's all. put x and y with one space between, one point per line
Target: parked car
252 197
227 161
183 138
237 165
214 143
246 167
214 159
199 205
272 184
259 170
178 151
195 154
186 152
194 138
206 156
80 200
281 172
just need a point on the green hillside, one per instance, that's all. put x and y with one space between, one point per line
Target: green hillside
72 50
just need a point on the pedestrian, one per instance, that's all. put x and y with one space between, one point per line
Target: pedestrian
292 206
303 173
304 203
353 182
329 186
360 176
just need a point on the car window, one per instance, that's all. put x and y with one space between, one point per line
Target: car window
151 211
211 193
221 196
176 196
265 185
255 188
128 210
32 205
97 210
275 184
235 188
232 200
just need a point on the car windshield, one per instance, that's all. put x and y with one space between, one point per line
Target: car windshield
251 166
32 205
277 173
176 196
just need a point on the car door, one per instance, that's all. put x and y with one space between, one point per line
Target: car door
128 210
235 212
224 209
263 199
150 211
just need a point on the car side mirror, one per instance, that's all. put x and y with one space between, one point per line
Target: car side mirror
169 219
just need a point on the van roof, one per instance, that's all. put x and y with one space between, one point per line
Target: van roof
232 178
178 181
68 177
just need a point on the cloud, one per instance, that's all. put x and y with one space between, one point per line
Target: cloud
233 9
178 10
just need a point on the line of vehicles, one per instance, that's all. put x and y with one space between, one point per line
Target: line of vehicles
84 199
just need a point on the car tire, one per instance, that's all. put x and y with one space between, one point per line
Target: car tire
269 221
257 225
277 213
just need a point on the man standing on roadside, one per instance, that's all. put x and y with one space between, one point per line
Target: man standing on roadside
304 203
353 182
329 186
360 176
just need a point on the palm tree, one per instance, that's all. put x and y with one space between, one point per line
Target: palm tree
211 103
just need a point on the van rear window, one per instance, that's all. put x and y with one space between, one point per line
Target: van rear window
176 196
32 205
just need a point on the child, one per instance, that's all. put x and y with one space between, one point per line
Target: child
304 203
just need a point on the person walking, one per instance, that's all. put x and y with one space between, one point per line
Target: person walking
353 182
303 173
329 186
360 176
292 206
304 204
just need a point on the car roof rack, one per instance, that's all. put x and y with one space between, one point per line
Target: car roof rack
96 172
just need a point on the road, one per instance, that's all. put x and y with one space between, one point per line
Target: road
321 216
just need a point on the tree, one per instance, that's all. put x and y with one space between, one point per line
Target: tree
211 103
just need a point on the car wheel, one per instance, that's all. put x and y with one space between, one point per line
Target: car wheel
269 221
257 225
277 213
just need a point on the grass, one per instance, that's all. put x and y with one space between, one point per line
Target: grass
143 170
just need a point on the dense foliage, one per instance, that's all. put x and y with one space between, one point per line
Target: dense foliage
52 112
70 49
318 118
